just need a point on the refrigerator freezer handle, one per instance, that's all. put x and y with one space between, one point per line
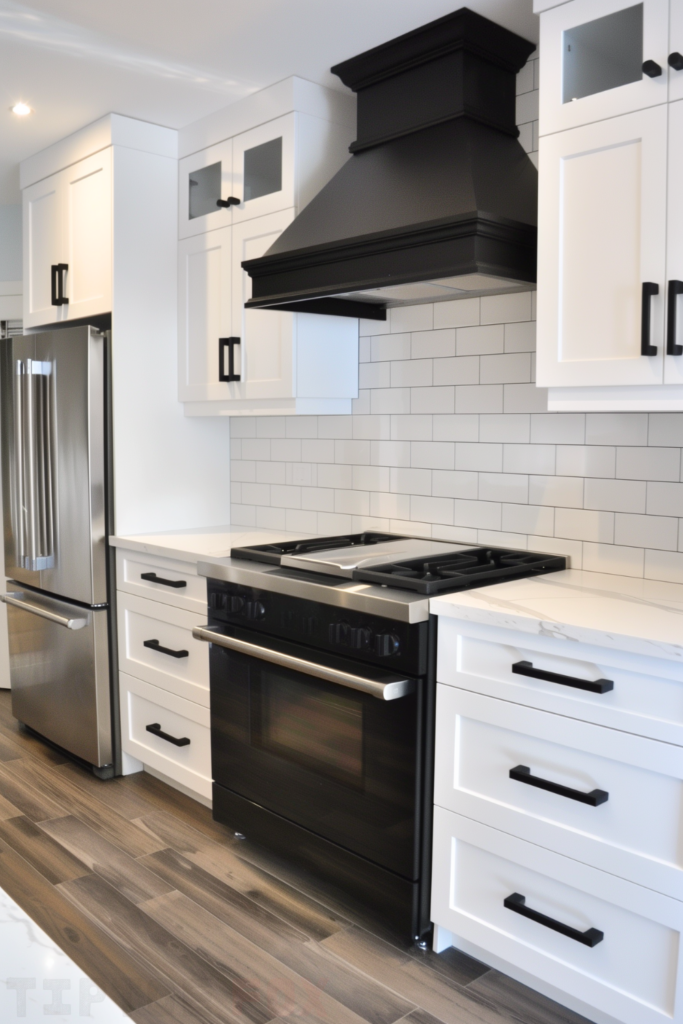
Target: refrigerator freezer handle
35 609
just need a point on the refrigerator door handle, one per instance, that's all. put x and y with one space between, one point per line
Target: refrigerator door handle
61 620
34 494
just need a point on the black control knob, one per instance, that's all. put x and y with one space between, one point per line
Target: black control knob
386 644
236 604
675 60
359 637
254 610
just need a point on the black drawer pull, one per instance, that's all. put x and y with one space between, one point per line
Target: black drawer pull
517 902
156 646
650 288
526 668
155 728
153 578
672 349
523 774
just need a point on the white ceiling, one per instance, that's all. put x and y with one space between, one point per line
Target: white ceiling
174 61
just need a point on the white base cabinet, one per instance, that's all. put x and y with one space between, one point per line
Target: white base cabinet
558 809
163 670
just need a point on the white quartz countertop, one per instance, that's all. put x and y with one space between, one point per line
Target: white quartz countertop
38 978
641 616
210 542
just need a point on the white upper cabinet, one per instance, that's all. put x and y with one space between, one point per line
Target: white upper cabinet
601 58
236 197
602 246
610 260
68 242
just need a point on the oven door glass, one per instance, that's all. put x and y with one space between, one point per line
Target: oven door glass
335 760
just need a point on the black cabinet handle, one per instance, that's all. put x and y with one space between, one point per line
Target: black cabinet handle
675 60
57 272
156 646
153 578
228 343
523 774
230 201
650 288
526 668
155 728
675 289
517 903
652 69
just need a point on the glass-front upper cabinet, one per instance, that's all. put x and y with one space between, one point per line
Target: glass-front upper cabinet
247 176
675 58
602 58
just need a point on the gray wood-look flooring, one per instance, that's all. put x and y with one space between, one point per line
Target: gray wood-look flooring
181 923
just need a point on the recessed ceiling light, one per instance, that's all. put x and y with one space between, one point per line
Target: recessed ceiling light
21 109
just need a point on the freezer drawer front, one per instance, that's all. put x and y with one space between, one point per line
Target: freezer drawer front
59 670
53 461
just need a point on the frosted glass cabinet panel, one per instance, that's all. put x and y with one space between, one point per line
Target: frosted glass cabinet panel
602 59
602 246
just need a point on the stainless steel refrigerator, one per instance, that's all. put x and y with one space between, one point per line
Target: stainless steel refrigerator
56 497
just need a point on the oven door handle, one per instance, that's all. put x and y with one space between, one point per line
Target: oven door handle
383 691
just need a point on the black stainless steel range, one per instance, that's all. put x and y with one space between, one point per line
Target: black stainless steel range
322 667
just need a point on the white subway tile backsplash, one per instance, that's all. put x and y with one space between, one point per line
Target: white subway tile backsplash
390 400
390 453
648 463
336 427
355 503
436 400
508 368
460 370
529 519
285 497
334 522
610 558
458 313
270 426
432 455
318 499
301 474
504 309
361 406
529 458
509 487
477 341
480 515
318 450
646 531
666 428
390 506
371 478
243 426
520 337
411 428
431 510
411 318
243 515
486 458
271 518
354 452
458 534
524 398
586 460
240 470
372 428
333 475
270 472
527 107
374 375
486 398
581 524
624 428
562 491
664 565
301 426
433 344
664 499
371 327
256 448
285 449
462 427
390 346
614 495
409 373
455 483
511 429
571 549
558 428
412 481
299 521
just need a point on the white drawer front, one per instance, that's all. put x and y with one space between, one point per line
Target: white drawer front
143 705
646 697
632 974
634 833
190 594
143 621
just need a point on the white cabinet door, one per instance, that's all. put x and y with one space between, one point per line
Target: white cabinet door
203 179
602 236
88 211
592 57
267 356
43 231
676 50
673 364
263 169
204 306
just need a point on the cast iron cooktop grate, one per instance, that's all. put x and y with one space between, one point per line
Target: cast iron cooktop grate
465 570
271 553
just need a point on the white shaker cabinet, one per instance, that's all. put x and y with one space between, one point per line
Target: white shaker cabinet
610 217
236 196
68 242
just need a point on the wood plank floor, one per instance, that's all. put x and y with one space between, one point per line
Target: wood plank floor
180 923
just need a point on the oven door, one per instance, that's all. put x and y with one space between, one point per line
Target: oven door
330 744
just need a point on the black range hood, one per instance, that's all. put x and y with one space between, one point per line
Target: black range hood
438 200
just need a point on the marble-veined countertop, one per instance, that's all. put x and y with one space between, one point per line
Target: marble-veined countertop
208 542
641 616
37 978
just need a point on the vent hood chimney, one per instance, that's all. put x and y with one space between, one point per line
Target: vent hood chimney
438 200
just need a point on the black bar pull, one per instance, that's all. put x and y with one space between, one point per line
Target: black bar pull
652 69
61 280
156 646
155 728
675 60
672 349
526 668
650 288
153 578
230 201
54 274
517 903
523 774
228 343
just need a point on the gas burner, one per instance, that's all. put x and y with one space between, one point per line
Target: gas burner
477 567
272 553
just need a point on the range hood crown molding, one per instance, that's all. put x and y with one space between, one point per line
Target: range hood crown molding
438 185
